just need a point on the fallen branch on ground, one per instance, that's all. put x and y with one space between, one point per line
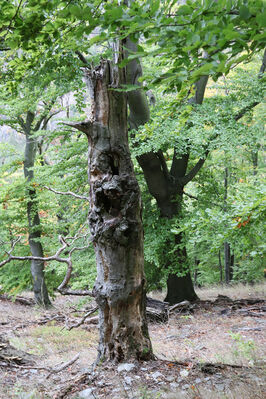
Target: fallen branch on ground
63 366
180 305
63 392
207 367
156 310
13 357
18 299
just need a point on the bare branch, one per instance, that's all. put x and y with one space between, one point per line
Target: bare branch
245 110
85 126
196 198
82 58
67 193
50 370
55 257
9 252
46 120
83 318
64 291
190 195
45 115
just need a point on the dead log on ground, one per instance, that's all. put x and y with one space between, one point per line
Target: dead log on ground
9 355
18 300
65 391
156 310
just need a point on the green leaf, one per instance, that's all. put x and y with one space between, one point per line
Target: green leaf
76 11
155 6
184 10
261 19
114 14
13 43
244 12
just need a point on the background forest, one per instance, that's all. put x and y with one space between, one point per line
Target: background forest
223 206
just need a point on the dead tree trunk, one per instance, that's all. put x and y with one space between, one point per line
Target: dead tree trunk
115 222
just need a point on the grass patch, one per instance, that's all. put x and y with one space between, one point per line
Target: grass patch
233 291
49 338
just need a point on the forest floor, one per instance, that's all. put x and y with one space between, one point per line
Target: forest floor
214 350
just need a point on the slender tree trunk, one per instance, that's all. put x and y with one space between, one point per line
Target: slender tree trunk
232 263
196 274
255 156
115 222
220 266
227 262
227 249
37 267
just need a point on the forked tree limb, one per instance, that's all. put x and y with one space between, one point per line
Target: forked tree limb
55 257
79 323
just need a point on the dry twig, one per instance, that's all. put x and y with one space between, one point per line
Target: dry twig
67 193
83 318
63 366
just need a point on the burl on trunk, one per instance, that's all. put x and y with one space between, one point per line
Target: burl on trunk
115 221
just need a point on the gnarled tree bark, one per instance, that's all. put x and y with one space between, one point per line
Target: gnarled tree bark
115 221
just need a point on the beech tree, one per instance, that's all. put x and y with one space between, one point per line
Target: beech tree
166 184
210 224
29 122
